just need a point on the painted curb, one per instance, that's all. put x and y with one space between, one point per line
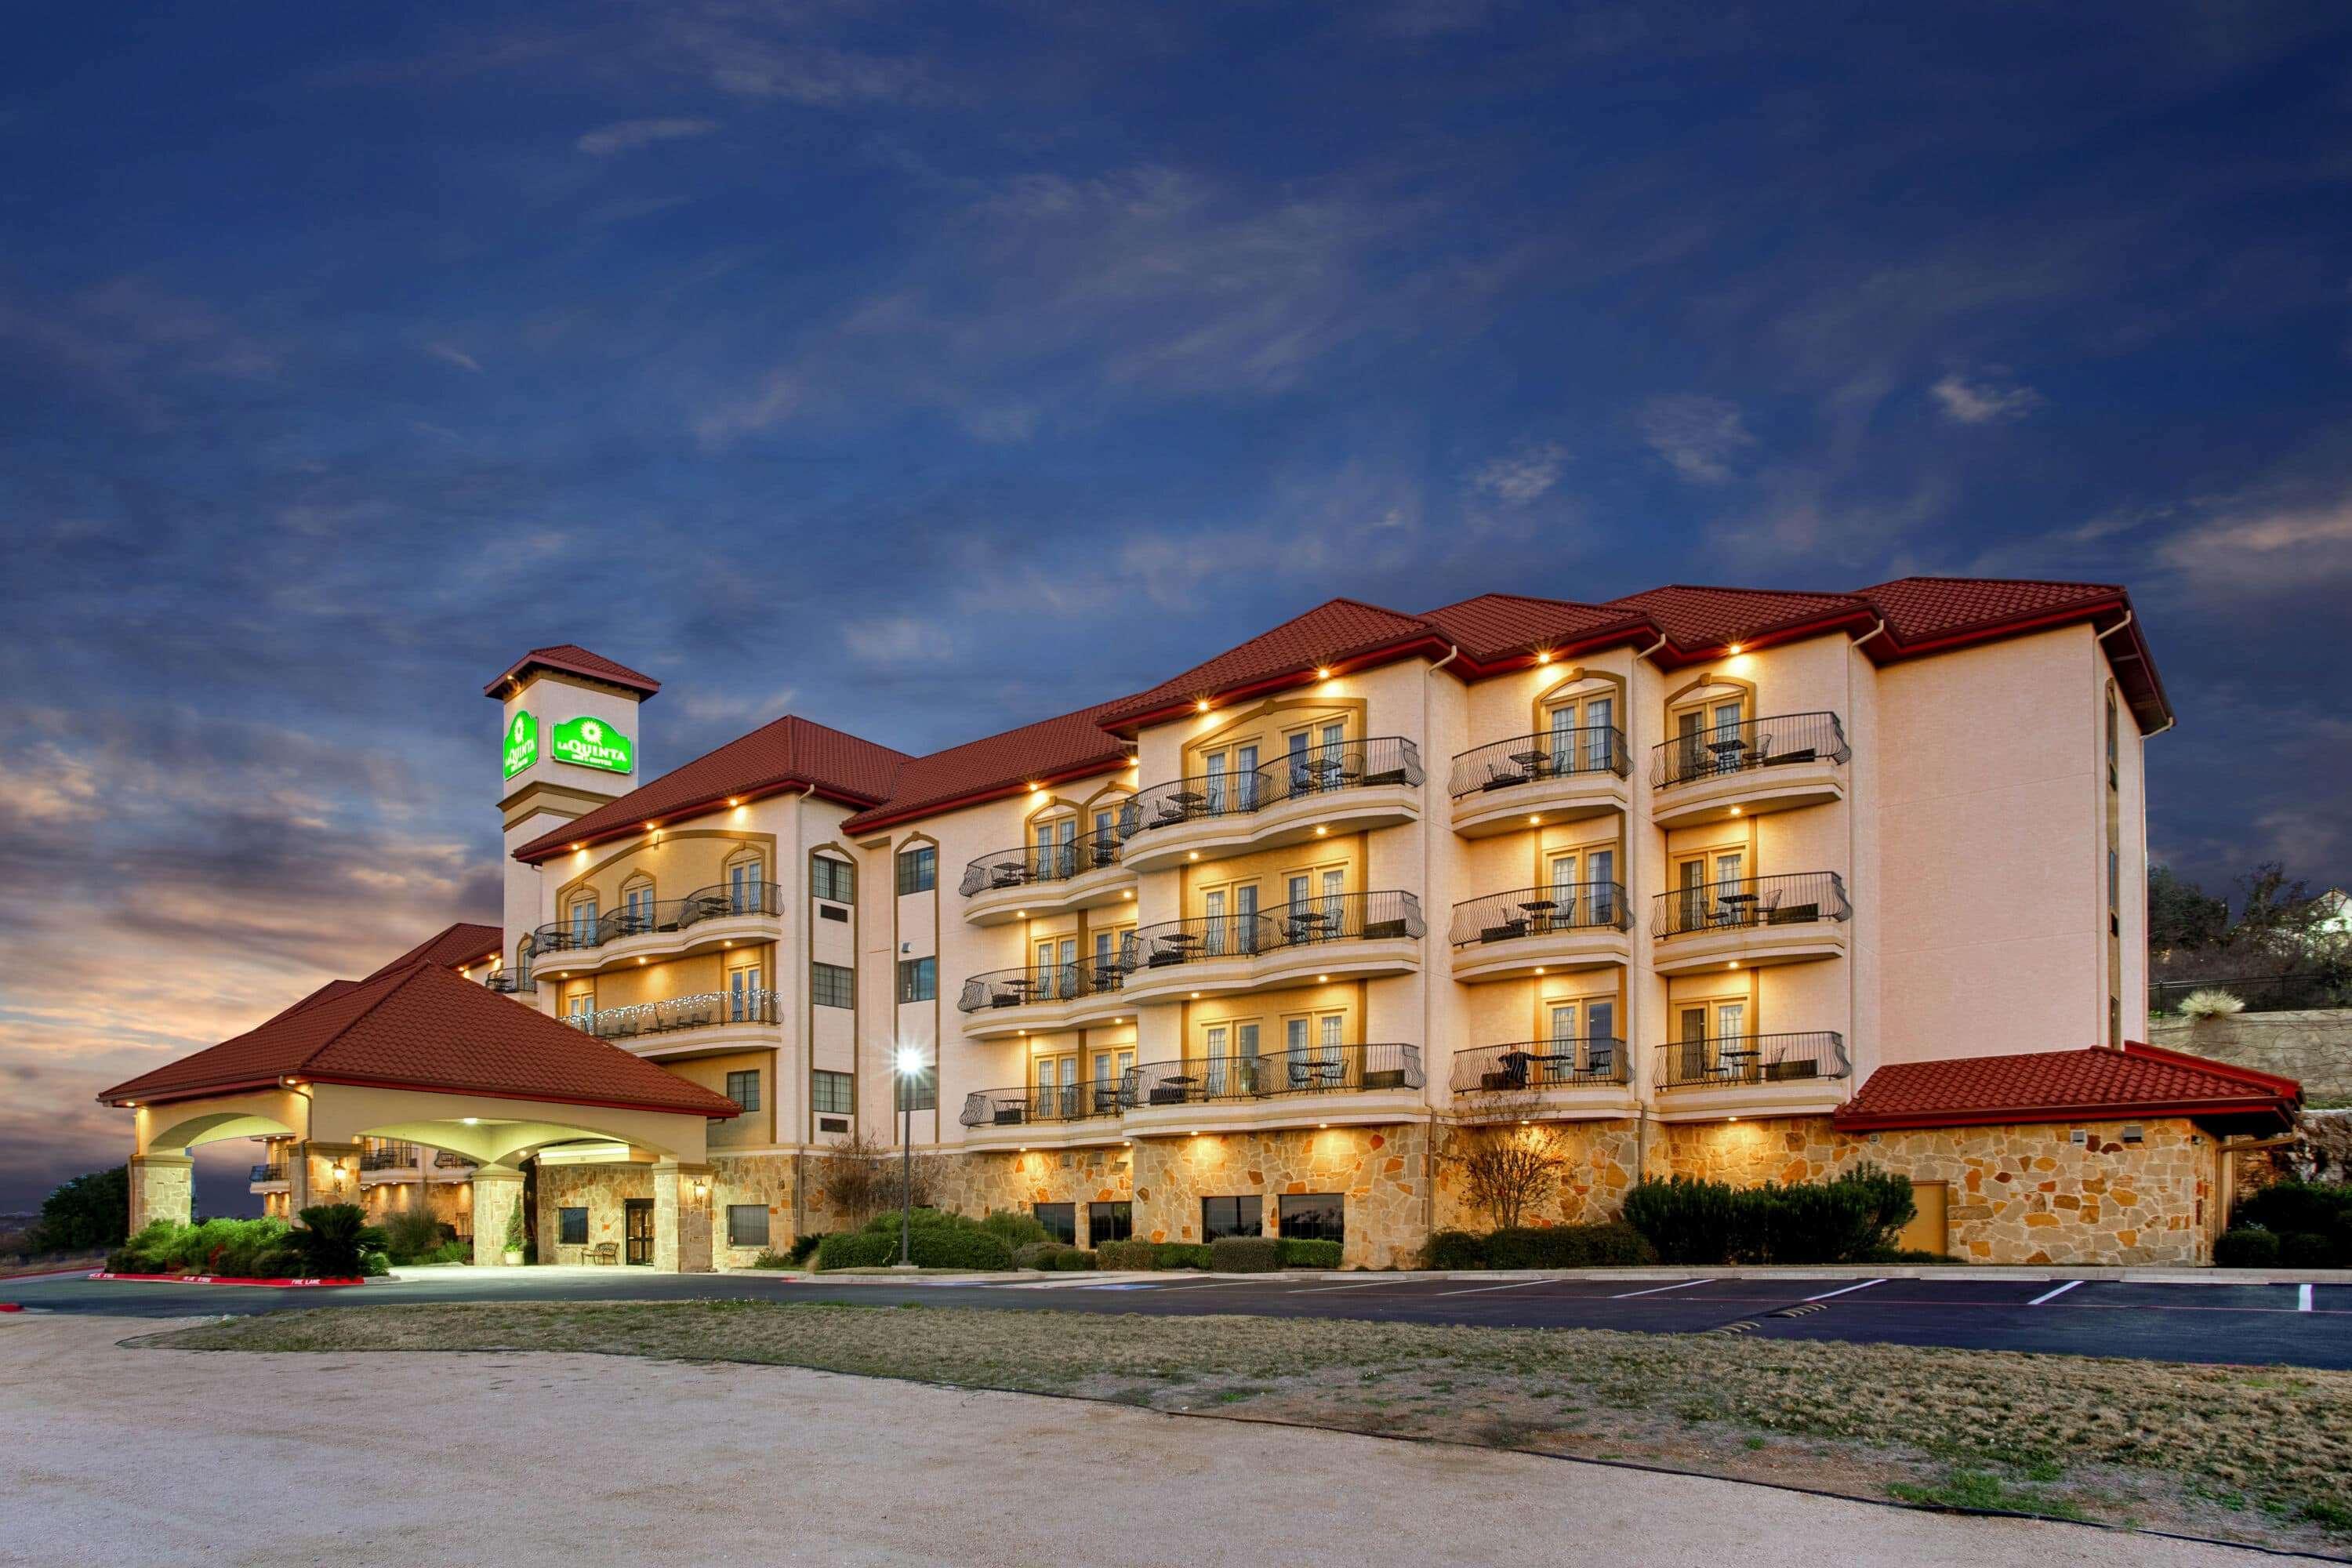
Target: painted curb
229 1280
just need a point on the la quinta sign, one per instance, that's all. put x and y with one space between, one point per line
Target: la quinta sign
593 744
522 742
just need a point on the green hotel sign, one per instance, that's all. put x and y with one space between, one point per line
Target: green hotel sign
593 744
522 742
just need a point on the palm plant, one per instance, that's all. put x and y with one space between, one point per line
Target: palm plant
334 1240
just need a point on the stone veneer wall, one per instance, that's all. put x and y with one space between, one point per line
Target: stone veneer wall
1605 1161
601 1189
1380 1171
2017 1194
977 1183
2314 1048
770 1180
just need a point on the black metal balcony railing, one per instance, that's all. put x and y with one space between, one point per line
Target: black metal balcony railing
1536 1065
1797 898
1316 771
1557 753
1317 1070
1018 988
659 915
1042 863
389 1157
274 1172
511 981
1732 1059
702 1010
1336 917
1777 741
1045 1102
449 1160
1536 911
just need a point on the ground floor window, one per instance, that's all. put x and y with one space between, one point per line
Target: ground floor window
1313 1216
747 1225
1232 1217
1109 1222
1060 1220
572 1226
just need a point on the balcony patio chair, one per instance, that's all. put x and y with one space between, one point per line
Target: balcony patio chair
1505 932
1600 1062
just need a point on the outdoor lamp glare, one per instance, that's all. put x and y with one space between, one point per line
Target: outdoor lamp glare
910 1061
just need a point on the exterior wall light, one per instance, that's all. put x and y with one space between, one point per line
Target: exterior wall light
1201 705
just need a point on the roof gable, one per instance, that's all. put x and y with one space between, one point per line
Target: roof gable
2096 1083
1071 745
461 942
1333 632
571 658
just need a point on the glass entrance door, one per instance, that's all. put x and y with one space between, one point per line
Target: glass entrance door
638 1231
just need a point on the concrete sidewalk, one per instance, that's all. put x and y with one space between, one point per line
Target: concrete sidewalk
2036 1273
133 1456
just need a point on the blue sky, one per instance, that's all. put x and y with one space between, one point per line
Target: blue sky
926 370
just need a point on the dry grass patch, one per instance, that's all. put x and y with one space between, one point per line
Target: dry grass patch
2257 1454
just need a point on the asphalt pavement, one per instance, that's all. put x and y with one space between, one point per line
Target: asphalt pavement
2262 1324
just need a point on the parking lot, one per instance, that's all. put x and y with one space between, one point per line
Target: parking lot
2307 1324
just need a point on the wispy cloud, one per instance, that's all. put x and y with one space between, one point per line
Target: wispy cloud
450 354
897 640
2265 550
627 135
1700 438
1984 401
1523 473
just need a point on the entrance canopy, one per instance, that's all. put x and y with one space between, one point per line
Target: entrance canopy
419 1054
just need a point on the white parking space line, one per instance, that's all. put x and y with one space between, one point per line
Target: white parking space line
2053 1295
1203 1285
1655 1289
1320 1289
1513 1285
1845 1290
2302 1297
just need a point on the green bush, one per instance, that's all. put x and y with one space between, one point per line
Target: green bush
936 1240
2307 1250
1127 1255
1179 1255
2290 1208
856 1250
1246 1254
410 1234
1611 1246
1015 1229
2245 1247
1453 1249
1845 1219
88 1213
373 1263
770 1258
334 1240
238 1249
1037 1254
803 1248
1302 1253
1073 1259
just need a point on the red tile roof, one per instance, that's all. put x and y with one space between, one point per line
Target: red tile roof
423 1028
1491 634
465 942
2097 1084
571 658
790 753
1071 746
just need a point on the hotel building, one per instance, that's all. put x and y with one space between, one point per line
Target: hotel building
1745 884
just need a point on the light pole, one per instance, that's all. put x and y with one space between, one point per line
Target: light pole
910 1067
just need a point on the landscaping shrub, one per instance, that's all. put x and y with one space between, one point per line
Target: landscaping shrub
88 1213
856 1250
936 1240
1073 1259
1015 1229
1453 1249
2306 1250
1137 1254
334 1240
244 1248
2289 1208
803 1248
408 1236
1037 1254
2245 1247
1567 1247
1302 1253
1848 1218
1179 1255
1246 1254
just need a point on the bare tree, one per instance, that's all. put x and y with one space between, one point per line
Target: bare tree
849 1176
1506 1168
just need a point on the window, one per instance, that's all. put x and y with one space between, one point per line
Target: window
1231 1217
833 913
2114 741
746 1002
747 1225
1109 1222
835 880
919 979
832 985
637 907
743 1088
1060 1220
583 922
919 869
917 1092
1313 1216
829 1091
746 893
572 1227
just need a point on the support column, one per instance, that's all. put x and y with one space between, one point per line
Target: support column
319 1174
681 1217
163 1186
497 1197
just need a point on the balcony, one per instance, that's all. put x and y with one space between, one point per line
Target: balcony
662 929
1751 1074
391 1157
1559 776
1349 787
1328 1085
1046 879
444 1159
1346 935
1779 764
724 1020
511 982
1040 997
1549 1078
1541 931
273 1172
1786 919
1056 1113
